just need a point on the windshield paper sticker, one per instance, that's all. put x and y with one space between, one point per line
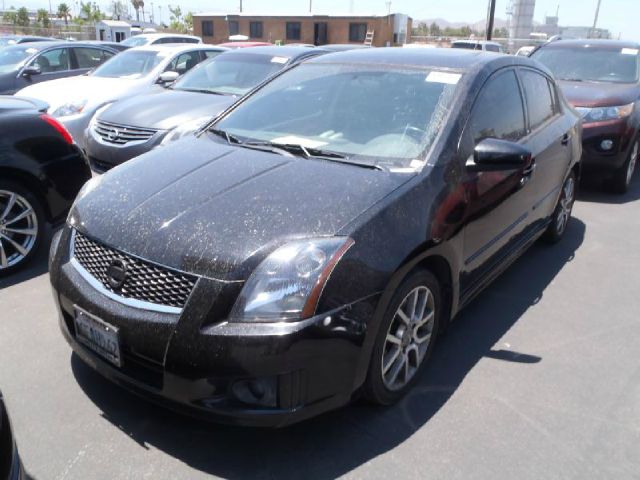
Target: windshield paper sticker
443 77
279 60
629 51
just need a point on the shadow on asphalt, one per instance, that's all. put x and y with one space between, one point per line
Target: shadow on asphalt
36 267
594 190
336 443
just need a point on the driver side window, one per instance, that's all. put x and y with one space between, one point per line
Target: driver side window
498 111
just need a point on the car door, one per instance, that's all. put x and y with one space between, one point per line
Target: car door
85 59
53 63
497 201
549 141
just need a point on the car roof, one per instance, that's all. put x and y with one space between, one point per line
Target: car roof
477 42
164 35
176 47
448 58
57 43
601 43
275 51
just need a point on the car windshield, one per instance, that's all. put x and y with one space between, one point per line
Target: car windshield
231 74
135 41
371 115
130 64
591 64
12 57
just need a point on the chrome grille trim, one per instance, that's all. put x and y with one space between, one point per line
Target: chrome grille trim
143 288
122 134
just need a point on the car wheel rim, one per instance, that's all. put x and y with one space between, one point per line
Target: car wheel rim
566 204
632 162
408 338
18 228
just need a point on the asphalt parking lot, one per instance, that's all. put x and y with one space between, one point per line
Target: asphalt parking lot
538 378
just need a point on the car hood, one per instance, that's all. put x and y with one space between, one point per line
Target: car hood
165 109
588 94
212 209
96 90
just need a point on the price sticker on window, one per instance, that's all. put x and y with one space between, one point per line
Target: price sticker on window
443 77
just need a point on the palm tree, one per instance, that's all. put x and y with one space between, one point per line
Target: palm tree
137 5
64 12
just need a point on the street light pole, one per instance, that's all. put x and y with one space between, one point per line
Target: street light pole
491 13
595 19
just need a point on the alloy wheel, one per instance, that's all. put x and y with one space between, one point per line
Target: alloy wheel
566 204
633 159
408 338
18 228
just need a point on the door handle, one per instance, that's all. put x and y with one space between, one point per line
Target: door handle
565 139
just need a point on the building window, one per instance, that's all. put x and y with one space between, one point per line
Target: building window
255 29
234 27
293 30
207 28
357 32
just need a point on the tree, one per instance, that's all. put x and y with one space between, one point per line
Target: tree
10 16
179 22
90 12
22 17
64 12
434 30
137 5
118 10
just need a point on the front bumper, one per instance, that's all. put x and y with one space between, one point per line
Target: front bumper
199 364
594 157
104 156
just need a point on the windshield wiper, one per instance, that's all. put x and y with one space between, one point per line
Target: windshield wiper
198 90
226 135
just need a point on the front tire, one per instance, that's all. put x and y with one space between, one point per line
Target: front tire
405 339
21 226
562 213
623 176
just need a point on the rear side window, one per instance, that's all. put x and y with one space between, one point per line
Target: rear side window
91 57
498 111
540 101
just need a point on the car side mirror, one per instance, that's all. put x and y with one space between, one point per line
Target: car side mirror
493 154
31 70
168 77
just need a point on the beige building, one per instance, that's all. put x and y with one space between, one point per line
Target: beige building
388 30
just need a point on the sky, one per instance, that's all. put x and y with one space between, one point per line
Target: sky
622 17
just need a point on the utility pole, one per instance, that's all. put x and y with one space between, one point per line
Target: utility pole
310 5
240 6
595 19
491 13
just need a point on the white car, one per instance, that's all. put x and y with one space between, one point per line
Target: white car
75 100
159 38
485 45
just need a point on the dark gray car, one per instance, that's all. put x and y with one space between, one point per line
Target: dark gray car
24 64
134 126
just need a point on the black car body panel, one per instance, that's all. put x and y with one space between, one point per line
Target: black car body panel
35 155
215 210
11 82
10 465
162 110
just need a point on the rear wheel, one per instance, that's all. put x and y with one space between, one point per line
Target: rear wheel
562 213
21 226
623 176
405 339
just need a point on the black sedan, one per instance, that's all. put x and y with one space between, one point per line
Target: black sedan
134 126
10 465
313 240
29 63
41 171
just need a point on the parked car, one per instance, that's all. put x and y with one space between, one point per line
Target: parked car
525 51
115 45
600 79
234 45
7 40
41 171
28 64
134 126
159 39
315 238
74 101
478 45
10 465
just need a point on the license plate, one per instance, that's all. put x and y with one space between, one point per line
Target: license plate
98 335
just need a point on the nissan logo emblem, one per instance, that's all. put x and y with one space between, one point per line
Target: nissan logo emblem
116 274
113 135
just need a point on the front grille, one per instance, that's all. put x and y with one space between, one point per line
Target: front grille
143 281
122 134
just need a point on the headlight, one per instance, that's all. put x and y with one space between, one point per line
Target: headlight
184 129
288 283
601 114
72 108
99 111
